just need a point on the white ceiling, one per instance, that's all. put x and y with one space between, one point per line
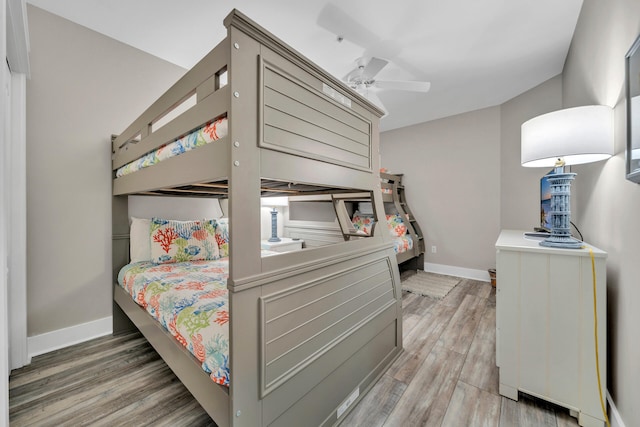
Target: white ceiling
476 54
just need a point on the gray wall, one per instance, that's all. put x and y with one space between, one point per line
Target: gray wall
607 204
519 186
486 188
83 88
452 180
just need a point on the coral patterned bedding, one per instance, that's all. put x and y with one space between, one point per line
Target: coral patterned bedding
206 134
190 300
402 243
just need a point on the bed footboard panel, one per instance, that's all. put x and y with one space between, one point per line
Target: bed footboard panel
325 330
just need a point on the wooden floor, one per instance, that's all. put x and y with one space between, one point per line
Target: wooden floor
445 377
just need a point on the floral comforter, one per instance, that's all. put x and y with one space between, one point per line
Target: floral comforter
190 300
206 134
402 243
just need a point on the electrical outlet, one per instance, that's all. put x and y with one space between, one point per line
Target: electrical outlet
345 405
434 249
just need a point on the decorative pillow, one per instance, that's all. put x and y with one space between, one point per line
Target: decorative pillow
178 241
363 223
139 247
396 225
222 236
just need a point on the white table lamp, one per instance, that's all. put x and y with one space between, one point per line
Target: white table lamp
566 137
274 202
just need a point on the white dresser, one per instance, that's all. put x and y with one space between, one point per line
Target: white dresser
285 244
545 324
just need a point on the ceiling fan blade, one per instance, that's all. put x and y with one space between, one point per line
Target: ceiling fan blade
335 20
373 67
403 85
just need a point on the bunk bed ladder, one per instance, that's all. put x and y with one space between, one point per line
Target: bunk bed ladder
401 205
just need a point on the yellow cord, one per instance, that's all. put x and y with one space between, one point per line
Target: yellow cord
595 329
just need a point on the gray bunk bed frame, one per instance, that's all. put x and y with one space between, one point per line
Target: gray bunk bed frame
414 258
293 130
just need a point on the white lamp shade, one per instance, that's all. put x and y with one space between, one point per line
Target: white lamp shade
274 201
578 135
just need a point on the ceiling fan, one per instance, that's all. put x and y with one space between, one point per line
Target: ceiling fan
362 80
363 77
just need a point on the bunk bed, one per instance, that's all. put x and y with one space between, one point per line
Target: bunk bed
310 331
397 210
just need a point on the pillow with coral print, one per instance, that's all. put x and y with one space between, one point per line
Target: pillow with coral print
396 225
222 236
179 241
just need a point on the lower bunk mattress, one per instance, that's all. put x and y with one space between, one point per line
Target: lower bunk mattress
402 243
190 300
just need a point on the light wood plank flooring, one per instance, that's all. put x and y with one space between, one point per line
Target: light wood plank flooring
445 377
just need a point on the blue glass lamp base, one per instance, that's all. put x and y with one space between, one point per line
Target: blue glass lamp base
274 226
562 242
560 212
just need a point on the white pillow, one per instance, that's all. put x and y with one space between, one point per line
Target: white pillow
139 243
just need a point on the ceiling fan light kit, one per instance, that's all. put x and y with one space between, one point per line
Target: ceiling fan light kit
363 80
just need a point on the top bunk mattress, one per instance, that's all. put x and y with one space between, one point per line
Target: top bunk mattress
210 132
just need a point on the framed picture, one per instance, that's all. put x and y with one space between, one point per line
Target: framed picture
632 62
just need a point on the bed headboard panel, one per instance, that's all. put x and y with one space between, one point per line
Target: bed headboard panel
179 208
301 115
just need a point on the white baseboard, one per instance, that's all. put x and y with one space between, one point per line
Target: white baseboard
614 415
54 340
450 270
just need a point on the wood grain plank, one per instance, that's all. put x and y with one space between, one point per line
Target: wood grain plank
408 298
478 288
509 412
419 305
457 294
101 401
66 402
419 342
462 328
376 406
108 381
527 411
60 360
40 388
409 322
480 368
536 412
471 406
425 401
